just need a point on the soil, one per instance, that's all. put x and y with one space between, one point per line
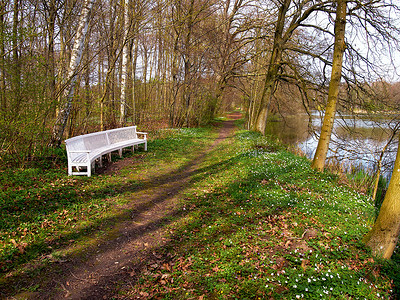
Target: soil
133 243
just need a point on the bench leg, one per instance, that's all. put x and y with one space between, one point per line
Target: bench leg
101 161
133 148
120 153
89 169
109 157
145 146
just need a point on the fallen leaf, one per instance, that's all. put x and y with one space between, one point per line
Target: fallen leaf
14 242
304 264
166 267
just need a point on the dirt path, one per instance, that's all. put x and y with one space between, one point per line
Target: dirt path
115 262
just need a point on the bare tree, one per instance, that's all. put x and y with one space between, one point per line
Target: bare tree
291 15
76 56
330 111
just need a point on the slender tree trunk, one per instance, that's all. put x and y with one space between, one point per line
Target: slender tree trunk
124 67
100 89
187 63
379 167
110 107
385 233
61 66
376 184
134 63
76 55
175 84
160 60
177 25
144 89
330 111
252 101
88 92
50 51
16 62
187 93
3 103
273 69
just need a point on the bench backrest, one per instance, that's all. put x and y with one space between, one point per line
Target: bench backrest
121 134
100 139
95 140
89 141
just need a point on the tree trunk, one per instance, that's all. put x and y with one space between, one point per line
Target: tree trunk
330 111
273 69
175 84
100 89
134 66
76 56
88 92
379 166
3 103
16 61
124 66
384 235
50 50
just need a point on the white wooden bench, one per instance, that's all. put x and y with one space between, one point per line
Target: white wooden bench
84 150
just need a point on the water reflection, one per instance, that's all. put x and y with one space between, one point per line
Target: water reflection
355 142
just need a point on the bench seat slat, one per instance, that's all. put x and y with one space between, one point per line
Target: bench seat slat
80 158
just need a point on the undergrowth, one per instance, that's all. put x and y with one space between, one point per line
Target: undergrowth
257 223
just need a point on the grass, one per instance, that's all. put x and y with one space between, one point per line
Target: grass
267 226
43 211
257 223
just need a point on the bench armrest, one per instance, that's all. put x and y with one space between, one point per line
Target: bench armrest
144 133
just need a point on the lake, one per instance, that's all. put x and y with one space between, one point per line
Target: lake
356 141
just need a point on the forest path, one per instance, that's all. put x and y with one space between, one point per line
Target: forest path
114 263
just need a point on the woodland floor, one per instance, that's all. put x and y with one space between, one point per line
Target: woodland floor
206 213
115 260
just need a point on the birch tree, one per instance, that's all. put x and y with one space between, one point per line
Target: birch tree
124 71
76 55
